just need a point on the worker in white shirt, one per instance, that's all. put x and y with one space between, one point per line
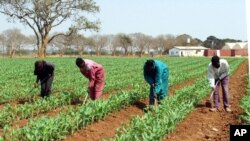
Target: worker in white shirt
218 73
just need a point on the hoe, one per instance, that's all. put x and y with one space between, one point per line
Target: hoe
209 102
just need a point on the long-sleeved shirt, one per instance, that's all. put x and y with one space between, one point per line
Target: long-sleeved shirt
90 70
155 77
48 69
220 73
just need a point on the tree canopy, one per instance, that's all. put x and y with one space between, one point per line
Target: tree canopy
44 15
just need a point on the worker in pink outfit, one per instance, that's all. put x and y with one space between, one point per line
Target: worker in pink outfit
95 73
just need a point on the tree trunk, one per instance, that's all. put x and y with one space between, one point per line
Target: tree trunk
19 49
140 54
131 51
80 52
61 54
97 52
10 50
3 50
41 52
42 49
126 51
114 52
12 53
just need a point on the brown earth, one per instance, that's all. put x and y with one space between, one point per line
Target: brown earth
202 124
114 120
54 112
106 128
199 125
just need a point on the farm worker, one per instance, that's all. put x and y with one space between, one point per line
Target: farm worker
156 74
218 73
95 73
45 74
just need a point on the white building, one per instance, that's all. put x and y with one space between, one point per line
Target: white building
187 51
237 45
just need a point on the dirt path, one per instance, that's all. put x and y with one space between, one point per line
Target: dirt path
106 128
202 124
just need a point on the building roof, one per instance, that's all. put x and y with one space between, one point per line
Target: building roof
190 47
237 45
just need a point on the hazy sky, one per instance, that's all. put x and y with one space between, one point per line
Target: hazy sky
198 18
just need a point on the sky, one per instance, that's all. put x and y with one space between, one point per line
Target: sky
198 18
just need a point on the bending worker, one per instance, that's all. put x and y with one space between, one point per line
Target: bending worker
45 74
95 73
218 73
156 74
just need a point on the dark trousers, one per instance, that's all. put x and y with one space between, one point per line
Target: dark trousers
46 87
224 84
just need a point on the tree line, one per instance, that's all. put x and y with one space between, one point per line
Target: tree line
43 16
13 42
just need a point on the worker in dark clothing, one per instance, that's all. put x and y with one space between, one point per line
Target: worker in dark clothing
45 74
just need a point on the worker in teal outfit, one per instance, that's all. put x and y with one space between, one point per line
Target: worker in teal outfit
156 74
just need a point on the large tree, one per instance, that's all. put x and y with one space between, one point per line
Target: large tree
74 42
100 41
141 42
124 41
14 40
213 42
44 15
2 43
114 44
80 42
61 43
183 40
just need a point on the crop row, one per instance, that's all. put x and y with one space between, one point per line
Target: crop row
155 124
9 113
10 132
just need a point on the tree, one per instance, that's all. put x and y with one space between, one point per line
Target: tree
100 41
213 43
60 43
170 42
14 40
2 40
78 42
44 15
160 43
32 43
141 42
150 44
114 44
124 41
183 40
196 42
231 40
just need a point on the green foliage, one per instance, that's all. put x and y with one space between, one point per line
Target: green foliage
245 104
69 84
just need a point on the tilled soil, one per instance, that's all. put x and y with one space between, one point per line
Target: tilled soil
106 128
202 125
